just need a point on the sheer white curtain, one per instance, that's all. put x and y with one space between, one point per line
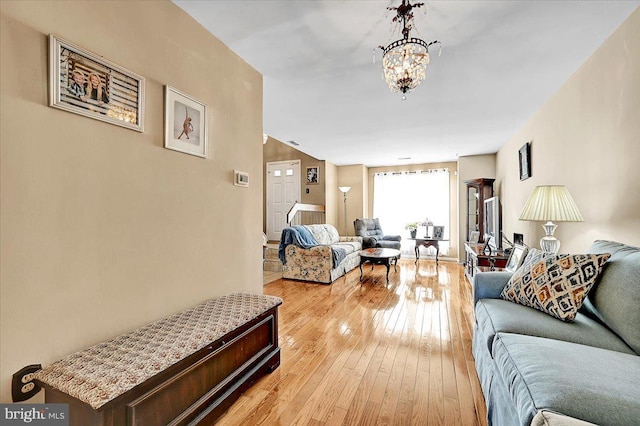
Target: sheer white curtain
405 197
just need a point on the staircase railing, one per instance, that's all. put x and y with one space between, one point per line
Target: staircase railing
306 214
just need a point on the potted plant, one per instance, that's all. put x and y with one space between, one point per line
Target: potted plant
412 227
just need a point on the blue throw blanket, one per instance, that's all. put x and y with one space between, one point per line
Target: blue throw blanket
338 254
300 236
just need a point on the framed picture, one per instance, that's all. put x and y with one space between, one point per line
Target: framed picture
474 237
312 175
518 254
518 239
185 123
87 84
438 232
524 154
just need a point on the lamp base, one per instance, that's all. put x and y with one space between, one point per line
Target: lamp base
549 243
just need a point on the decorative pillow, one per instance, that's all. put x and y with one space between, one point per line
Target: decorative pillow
555 284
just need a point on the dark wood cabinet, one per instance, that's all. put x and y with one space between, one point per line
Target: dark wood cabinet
478 190
476 261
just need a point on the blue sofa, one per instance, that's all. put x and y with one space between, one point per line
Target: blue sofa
537 370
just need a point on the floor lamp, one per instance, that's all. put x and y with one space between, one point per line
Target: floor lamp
344 190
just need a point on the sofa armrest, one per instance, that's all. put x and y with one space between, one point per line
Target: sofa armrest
392 238
549 418
350 239
300 256
489 285
369 242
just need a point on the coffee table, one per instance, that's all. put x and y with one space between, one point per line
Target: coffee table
379 256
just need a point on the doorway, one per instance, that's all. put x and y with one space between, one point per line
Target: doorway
283 190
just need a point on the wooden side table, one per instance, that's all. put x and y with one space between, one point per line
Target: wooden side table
426 242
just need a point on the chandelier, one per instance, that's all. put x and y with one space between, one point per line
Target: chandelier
405 61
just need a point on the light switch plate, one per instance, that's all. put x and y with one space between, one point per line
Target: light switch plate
240 178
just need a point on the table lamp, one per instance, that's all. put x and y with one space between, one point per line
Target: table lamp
551 203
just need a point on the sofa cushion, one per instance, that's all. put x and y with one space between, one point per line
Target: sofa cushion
324 233
496 315
592 384
348 246
615 298
555 284
391 244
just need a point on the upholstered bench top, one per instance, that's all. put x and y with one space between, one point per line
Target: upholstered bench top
107 370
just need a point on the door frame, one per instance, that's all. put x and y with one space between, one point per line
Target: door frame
268 181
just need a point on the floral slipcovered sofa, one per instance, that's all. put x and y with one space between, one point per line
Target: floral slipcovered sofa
333 257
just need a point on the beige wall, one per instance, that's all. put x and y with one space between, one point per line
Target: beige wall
274 151
102 228
333 198
471 167
454 248
587 137
355 177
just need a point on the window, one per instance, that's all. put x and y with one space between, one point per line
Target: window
277 173
406 197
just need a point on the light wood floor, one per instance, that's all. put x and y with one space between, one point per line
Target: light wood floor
371 353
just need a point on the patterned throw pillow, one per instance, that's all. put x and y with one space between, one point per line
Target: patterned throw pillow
555 284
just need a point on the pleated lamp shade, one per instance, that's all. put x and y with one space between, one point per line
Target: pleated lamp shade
551 203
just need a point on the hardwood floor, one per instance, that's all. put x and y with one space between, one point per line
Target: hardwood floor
371 353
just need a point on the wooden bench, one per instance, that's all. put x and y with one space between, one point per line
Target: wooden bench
185 369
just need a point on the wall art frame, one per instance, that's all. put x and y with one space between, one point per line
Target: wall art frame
313 175
516 257
524 155
438 232
84 83
185 123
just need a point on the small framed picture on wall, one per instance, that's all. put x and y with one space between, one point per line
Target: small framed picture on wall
312 175
185 123
524 155
85 83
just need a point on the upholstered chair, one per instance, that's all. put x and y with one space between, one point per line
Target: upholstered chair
372 235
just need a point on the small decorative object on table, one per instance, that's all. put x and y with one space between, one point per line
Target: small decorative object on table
486 248
412 227
438 232
474 237
518 254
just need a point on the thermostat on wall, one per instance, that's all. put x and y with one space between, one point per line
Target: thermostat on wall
240 178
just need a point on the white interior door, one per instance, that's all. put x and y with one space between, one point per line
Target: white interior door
283 190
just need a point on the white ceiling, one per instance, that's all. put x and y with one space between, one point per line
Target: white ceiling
501 60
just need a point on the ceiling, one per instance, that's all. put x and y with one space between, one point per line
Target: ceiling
501 60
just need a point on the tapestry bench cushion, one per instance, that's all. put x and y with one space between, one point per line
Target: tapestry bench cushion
105 371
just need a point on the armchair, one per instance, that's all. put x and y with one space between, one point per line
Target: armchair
372 235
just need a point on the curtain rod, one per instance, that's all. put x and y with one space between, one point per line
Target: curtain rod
411 172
